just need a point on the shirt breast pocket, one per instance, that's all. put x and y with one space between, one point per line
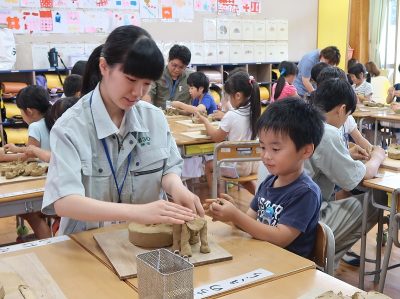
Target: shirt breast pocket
146 173
96 178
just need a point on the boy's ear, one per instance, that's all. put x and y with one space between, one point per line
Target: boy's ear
201 89
28 111
308 150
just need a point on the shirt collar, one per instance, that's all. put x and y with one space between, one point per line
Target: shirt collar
102 120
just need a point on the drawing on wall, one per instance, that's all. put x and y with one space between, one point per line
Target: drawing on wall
228 6
96 22
209 6
67 22
66 3
30 3
12 3
46 3
119 18
125 4
183 9
11 18
46 20
250 6
149 9
31 21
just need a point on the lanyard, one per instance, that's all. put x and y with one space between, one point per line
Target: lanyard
172 88
103 141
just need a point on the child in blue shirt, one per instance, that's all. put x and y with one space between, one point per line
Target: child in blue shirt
285 209
201 99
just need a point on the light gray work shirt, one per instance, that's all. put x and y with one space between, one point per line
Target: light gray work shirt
79 165
331 164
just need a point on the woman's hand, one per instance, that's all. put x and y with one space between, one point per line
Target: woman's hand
184 197
162 211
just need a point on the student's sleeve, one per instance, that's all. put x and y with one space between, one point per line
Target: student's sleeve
226 121
34 131
64 174
368 89
333 159
303 207
352 123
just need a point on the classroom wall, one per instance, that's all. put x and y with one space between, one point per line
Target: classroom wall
333 24
301 15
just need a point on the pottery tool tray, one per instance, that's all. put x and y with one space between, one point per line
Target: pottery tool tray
122 254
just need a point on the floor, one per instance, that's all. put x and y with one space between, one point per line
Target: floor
345 272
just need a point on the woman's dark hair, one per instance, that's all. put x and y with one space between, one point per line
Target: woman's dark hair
240 81
132 47
199 79
333 92
332 54
372 69
286 68
92 74
58 109
180 52
357 69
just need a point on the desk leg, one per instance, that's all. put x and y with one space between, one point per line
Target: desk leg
363 239
378 246
392 229
376 131
360 123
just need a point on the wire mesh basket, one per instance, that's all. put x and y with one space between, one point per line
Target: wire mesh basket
163 274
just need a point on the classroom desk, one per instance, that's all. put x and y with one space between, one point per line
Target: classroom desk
77 273
21 197
389 181
307 284
248 254
386 116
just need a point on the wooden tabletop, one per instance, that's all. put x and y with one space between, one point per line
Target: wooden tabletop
26 190
248 254
303 285
77 272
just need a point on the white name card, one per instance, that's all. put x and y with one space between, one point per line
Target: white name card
231 283
36 243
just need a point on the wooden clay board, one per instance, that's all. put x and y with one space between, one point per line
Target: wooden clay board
196 135
391 164
188 123
26 269
122 254
22 178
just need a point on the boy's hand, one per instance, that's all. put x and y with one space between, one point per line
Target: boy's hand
221 209
11 147
358 153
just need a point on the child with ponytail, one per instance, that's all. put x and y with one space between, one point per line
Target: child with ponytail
284 87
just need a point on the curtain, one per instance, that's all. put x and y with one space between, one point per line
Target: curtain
377 27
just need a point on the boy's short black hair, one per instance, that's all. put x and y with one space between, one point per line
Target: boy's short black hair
198 79
333 92
72 85
79 67
331 72
316 69
302 122
180 52
357 69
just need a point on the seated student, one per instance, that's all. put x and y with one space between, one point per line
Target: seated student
284 87
394 92
362 88
238 124
333 164
72 86
201 99
285 209
349 129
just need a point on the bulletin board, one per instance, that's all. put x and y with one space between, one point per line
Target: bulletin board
167 26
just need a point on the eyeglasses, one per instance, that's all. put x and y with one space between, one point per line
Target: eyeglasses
177 66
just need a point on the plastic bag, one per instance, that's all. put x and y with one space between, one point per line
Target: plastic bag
8 52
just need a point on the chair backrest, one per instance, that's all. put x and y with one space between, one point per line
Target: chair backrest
324 248
233 151
396 231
